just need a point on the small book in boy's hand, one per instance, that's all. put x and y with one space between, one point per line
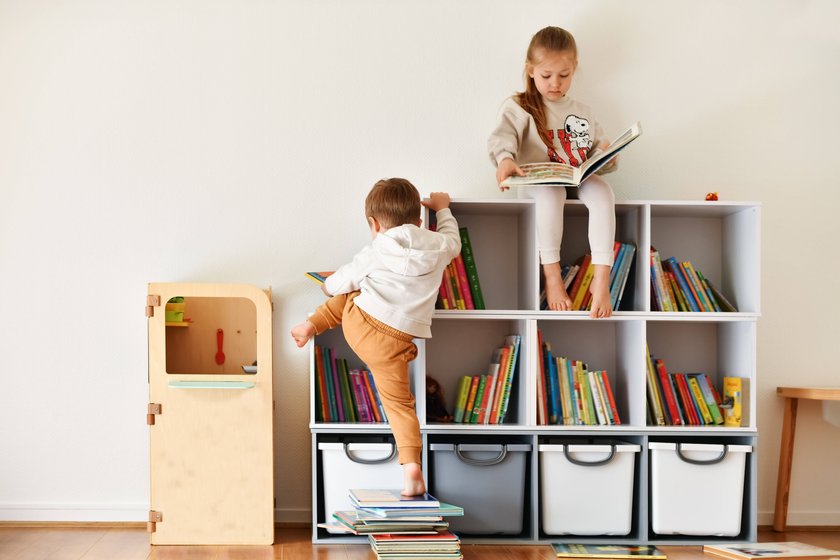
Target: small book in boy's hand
563 174
364 497
319 277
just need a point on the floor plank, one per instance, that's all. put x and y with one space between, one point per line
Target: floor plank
292 543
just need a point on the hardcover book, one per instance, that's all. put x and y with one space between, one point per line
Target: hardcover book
606 551
750 551
369 498
565 175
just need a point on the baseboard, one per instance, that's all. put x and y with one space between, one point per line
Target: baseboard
292 517
74 513
803 520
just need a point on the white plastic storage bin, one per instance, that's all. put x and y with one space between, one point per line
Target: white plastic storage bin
697 488
356 465
487 480
587 489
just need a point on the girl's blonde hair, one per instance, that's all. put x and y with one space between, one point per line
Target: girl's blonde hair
551 39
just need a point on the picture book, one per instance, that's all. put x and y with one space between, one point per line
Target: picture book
370 498
563 550
444 509
562 174
318 277
750 551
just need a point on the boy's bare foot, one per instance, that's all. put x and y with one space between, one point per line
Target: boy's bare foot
600 290
555 291
302 333
413 476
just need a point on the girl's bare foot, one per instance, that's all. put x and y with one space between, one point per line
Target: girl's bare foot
555 291
600 290
302 333
413 476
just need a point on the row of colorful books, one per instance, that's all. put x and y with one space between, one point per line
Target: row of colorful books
678 286
568 393
577 278
691 399
460 287
343 394
485 398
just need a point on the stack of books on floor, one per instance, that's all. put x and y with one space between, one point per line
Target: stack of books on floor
402 527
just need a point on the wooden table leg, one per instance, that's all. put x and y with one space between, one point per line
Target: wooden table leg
785 462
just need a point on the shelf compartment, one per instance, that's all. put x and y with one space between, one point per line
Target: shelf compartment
502 236
614 346
720 239
718 349
334 339
457 349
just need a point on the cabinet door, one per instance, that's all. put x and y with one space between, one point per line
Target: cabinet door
211 443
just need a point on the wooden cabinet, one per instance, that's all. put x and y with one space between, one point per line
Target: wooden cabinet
212 465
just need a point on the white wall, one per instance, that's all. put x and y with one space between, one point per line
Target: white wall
222 141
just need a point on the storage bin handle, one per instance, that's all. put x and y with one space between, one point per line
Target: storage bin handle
370 461
712 461
597 463
482 462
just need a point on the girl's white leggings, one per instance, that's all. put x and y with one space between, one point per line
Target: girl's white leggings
599 199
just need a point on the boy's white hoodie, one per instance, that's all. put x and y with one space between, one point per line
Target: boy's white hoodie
400 272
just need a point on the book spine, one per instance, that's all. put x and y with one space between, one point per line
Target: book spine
733 391
371 398
698 397
472 270
597 402
708 291
679 274
584 265
575 417
513 341
688 403
653 398
500 383
541 392
461 401
361 399
322 385
583 288
463 282
559 370
551 365
468 408
695 282
691 287
611 399
656 280
456 289
378 402
489 395
709 397
479 399
668 389
347 399
337 387
626 265
615 275
682 303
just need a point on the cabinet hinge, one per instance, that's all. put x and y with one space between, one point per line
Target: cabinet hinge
151 303
151 411
155 517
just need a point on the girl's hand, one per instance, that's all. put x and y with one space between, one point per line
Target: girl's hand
611 165
506 169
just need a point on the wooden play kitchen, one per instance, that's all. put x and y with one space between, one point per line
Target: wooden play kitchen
210 414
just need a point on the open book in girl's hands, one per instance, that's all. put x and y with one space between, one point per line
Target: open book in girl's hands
565 175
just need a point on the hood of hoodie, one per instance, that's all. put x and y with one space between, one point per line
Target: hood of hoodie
409 250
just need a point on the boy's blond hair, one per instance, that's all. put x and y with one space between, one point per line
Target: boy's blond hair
393 202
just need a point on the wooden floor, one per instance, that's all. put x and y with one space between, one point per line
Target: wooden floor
116 543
